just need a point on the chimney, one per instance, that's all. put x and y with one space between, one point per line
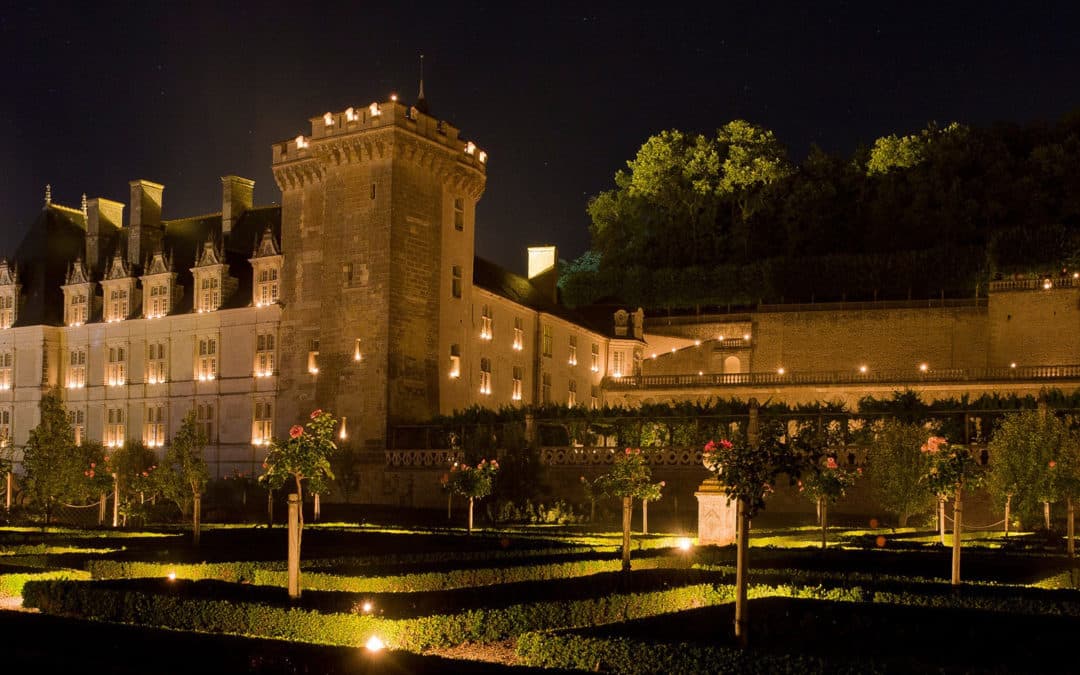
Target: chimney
146 231
237 195
544 271
103 216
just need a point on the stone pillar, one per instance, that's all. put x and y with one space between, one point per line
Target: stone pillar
716 514
294 545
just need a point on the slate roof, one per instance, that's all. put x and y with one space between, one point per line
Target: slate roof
514 287
58 237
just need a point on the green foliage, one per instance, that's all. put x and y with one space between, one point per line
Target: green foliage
183 473
748 471
57 471
896 467
951 467
133 466
1026 448
474 482
630 477
827 481
304 456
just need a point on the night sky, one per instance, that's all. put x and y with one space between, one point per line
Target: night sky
559 96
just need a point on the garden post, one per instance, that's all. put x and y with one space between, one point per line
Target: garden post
941 519
101 510
7 493
823 507
269 507
1008 503
317 508
449 500
470 514
1046 515
958 517
116 501
644 516
196 519
626 514
294 545
742 546
1071 543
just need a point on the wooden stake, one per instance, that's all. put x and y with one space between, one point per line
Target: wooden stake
294 545
957 537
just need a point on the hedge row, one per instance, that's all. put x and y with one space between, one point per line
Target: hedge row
91 601
11 585
459 578
248 570
621 655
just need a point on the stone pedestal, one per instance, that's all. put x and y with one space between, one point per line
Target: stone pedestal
716 514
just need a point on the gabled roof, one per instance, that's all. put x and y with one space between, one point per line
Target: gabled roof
516 288
53 241
77 273
118 268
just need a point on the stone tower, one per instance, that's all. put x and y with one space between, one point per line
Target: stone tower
376 225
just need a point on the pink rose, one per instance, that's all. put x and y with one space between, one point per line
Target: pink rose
710 446
830 463
1052 464
296 431
726 444
315 413
628 451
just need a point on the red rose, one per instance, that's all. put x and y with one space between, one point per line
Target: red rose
296 431
830 463
628 451
726 443
1052 464
710 446
315 413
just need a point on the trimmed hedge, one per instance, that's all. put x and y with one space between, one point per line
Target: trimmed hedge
11 585
458 578
482 625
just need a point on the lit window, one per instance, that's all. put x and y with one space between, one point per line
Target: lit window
357 354
266 286
455 281
518 372
594 397
459 214
116 366
157 304
206 362
115 429
77 420
209 294
485 323
573 351
547 340
7 370
118 308
594 365
618 363
470 148
263 427
154 432
156 365
264 355
77 310
485 376
7 310
455 361
374 110
313 362
545 389
301 142
571 394
328 119
519 334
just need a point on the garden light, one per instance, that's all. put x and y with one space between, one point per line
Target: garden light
684 544
374 644
367 606
172 576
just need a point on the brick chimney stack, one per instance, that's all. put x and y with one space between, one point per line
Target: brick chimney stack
145 233
544 271
103 218
237 196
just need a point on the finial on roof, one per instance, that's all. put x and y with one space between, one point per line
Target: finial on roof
421 102
84 207
48 194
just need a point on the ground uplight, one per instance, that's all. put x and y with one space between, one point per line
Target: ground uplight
374 644
684 544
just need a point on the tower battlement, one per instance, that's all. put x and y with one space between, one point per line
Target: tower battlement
334 126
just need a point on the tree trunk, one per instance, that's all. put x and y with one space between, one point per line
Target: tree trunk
818 511
295 520
196 518
116 502
449 502
644 516
941 519
1046 515
823 509
957 536
300 513
904 515
1008 508
470 514
742 546
317 508
7 493
592 510
627 506
1071 534
101 510
269 507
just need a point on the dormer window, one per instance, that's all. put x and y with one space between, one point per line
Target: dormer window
209 294
159 301
78 310
158 284
119 305
7 310
266 286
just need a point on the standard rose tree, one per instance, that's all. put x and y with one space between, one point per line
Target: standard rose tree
630 477
825 484
952 468
473 482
